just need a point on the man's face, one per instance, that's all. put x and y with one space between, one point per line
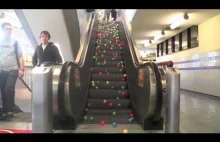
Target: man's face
44 38
7 29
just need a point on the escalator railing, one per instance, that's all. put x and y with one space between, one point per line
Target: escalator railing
74 80
146 95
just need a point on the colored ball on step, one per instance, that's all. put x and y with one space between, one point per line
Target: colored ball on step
100 73
125 75
91 118
102 123
132 115
96 87
87 109
117 98
89 105
113 113
85 118
122 93
104 101
130 120
122 87
119 105
107 82
110 105
125 131
114 124
91 69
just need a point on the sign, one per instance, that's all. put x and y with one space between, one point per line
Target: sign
141 78
77 77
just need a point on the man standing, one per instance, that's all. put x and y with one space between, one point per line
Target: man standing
46 51
11 66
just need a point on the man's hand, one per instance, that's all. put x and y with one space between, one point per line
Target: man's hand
20 73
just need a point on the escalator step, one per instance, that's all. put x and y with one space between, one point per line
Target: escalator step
108 69
101 104
108 53
108 77
108 48
108 84
108 63
107 118
108 58
107 94
108 111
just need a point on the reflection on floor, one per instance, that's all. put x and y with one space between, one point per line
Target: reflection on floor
199 114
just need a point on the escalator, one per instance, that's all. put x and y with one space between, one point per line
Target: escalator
109 86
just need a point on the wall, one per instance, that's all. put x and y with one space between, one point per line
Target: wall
200 66
52 21
83 18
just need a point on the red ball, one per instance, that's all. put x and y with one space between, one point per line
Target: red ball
122 93
89 105
100 73
110 104
91 69
132 115
102 122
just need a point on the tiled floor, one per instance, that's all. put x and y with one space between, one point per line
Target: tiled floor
198 114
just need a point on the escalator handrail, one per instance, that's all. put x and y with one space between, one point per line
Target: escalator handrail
138 64
81 61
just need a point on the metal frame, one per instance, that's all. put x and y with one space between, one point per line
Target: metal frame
173 98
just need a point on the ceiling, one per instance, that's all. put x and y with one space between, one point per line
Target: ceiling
148 23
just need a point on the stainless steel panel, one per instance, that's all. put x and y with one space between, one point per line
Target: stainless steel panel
173 95
42 120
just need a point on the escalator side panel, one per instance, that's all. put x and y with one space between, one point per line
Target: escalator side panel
146 100
80 79
140 96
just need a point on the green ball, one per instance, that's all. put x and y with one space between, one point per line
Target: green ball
85 118
91 118
114 113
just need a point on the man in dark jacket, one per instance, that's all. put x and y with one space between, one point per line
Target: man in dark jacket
46 51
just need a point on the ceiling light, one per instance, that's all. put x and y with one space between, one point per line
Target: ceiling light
179 21
159 35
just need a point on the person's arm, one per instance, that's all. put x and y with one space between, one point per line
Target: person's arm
57 55
34 58
21 61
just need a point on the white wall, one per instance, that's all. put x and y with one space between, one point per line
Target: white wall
202 75
83 18
129 15
52 21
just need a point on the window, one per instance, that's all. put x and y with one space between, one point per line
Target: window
159 49
177 43
188 38
194 37
169 46
184 40
164 48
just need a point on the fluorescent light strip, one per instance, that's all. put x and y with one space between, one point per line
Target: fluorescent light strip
179 21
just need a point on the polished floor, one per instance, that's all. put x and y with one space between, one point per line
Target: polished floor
198 114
